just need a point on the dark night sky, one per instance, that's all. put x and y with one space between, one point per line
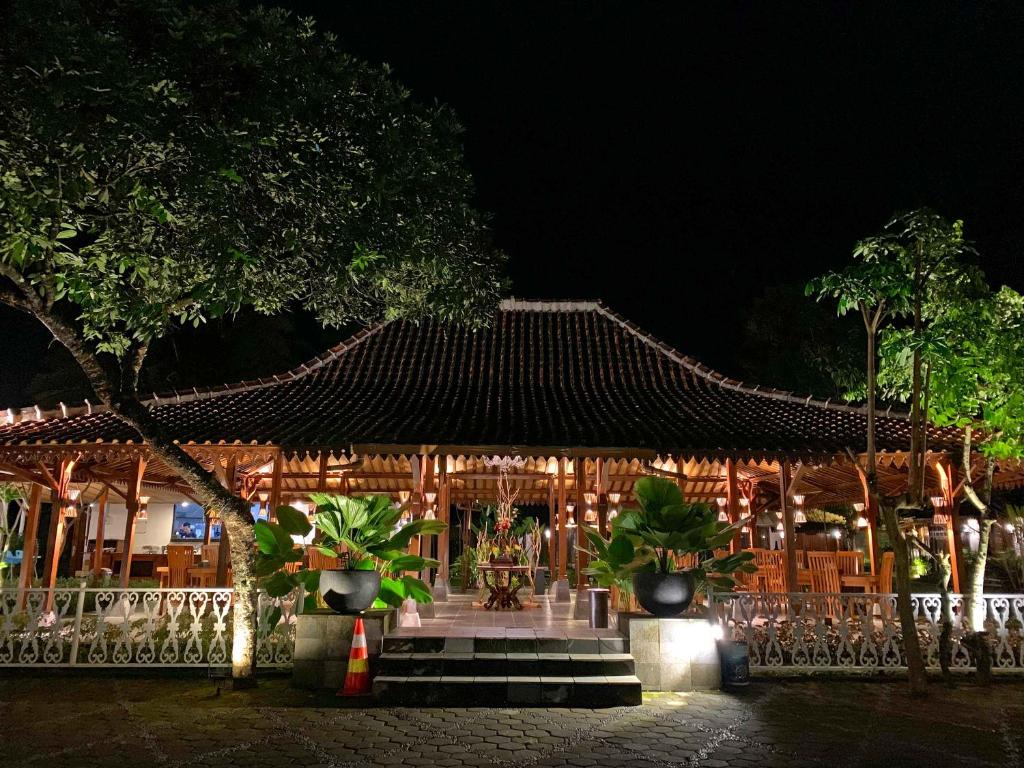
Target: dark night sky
675 159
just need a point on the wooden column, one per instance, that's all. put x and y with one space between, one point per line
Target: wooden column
787 523
732 495
275 488
954 539
580 484
552 532
28 559
563 517
444 515
224 548
131 505
55 538
101 527
601 492
80 532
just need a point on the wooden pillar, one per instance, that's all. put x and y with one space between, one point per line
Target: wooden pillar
28 559
601 492
101 527
444 515
953 526
552 532
131 505
81 539
55 538
732 496
224 548
563 518
787 523
275 488
580 485
467 513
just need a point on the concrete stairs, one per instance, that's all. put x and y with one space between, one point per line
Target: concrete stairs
436 671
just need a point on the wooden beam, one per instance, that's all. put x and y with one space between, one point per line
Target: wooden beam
131 508
954 540
321 473
601 491
101 527
80 531
30 545
444 515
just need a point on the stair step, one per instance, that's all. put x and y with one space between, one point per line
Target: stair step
484 664
437 644
501 690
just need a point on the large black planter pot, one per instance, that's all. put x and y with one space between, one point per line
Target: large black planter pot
349 592
664 594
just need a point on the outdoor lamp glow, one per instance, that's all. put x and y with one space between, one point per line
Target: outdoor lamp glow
836 533
798 499
938 501
799 517
862 522
547 533
858 506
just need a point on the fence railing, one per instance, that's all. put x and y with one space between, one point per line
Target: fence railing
861 632
113 627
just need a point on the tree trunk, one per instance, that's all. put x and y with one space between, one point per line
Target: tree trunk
115 385
911 643
946 633
234 515
977 641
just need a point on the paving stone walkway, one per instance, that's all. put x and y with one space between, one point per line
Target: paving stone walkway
124 722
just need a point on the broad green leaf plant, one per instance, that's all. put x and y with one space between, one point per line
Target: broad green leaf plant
663 526
364 530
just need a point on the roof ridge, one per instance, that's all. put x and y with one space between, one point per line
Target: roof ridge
713 376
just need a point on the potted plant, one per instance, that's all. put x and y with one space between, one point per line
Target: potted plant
664 527
366 536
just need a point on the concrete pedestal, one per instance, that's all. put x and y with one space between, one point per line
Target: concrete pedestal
323 641
561 591
672 654
440 590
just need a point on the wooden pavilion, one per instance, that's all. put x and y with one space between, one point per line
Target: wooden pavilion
588 399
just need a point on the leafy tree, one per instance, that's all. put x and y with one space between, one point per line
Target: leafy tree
162 164
973 358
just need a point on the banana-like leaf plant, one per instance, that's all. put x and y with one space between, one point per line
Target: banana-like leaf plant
664 525
365 528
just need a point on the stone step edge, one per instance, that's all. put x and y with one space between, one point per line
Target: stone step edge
515 679
511 656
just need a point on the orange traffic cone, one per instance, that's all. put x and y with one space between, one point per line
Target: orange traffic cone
357 680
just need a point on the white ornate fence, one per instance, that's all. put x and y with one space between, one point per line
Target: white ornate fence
803 632
115 627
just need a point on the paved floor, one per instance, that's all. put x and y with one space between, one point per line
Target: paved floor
464 616
107 721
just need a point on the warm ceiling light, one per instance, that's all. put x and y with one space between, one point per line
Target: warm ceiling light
798 499
858 506
722 501
613 498
430 496
780 526
938 501
74 493
744 501
264 497
862 522
723 516
799 518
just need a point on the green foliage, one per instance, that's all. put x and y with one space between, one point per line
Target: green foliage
364 526
665 525
164 163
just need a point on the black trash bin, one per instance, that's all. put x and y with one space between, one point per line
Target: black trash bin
600 599
735 658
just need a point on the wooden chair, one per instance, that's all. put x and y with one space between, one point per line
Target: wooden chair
825 579
801 558
180 557
850 563
210 553
318 561
885 573
774 579
824 571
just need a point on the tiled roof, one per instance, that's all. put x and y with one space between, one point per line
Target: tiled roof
543 374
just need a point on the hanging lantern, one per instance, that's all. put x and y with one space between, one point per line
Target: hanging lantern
780 526
940 518
858 506
143 513
590 516
862 522
799 517
570 521
798 499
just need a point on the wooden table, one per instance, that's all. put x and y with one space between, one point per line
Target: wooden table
203 575
503 590
865 581
145 564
